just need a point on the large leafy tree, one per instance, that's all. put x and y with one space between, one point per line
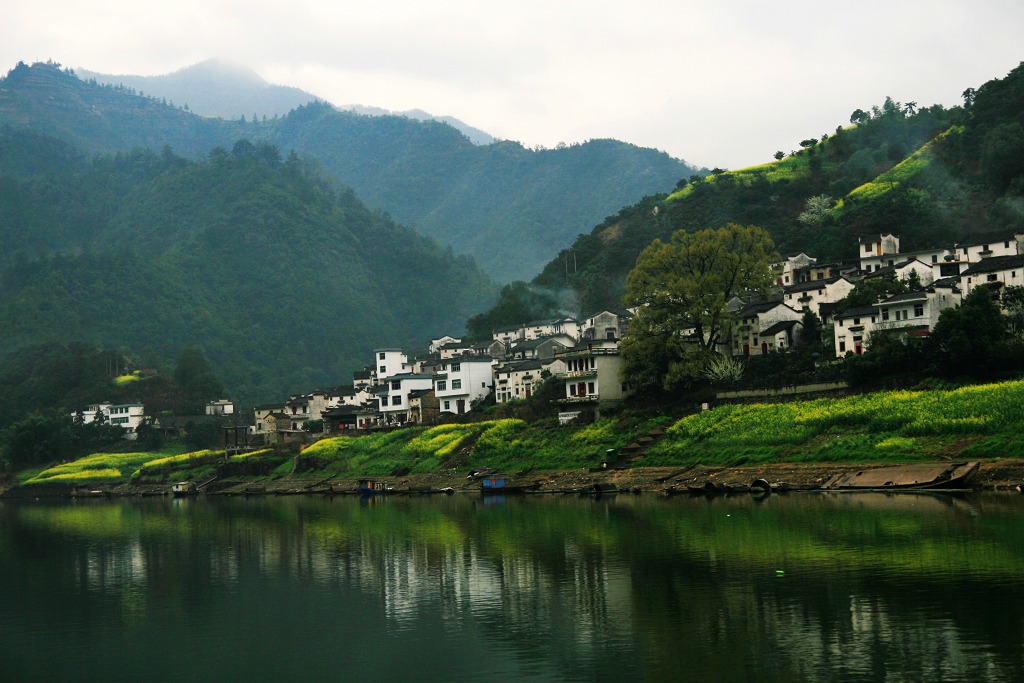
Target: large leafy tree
681 290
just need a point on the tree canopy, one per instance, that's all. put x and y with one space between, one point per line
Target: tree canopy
682 289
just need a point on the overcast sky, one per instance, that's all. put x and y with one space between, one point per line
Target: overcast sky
715 83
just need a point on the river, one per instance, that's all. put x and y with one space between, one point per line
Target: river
798 587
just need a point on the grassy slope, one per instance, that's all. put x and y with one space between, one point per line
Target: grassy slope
976 421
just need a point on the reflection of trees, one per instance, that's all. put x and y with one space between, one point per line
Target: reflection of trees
636 586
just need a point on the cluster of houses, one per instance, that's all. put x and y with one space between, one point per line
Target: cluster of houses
941 278
454 376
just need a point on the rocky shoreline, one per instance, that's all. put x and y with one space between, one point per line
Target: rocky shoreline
998 475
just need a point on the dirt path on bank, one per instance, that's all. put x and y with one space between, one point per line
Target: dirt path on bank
1000 475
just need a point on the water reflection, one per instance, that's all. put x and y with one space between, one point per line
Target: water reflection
828 587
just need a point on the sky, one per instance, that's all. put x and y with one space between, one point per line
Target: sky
722 83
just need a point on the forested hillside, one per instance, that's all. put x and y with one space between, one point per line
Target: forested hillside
283 281
507 206
929 174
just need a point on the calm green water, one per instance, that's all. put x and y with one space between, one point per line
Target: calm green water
855 587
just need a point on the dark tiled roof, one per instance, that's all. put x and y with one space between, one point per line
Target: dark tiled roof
905 296
812 284
759 307
780 326
995 264
856 312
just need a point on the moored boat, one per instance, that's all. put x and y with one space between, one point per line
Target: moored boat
912 476
183 488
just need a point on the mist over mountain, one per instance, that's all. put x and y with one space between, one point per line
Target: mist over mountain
228 90
507 206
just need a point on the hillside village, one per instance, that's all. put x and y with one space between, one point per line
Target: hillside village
583 354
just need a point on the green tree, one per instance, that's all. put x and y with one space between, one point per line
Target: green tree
682 289
196 380
970 337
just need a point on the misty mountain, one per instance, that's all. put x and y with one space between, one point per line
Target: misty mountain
218 87
507 206
283 280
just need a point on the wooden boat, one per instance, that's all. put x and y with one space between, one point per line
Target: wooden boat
183 488
913 476
499 484
373 487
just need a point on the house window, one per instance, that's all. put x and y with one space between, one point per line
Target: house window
856 321
383 400
918 310
572 389
590 387
456 367
935 258
842 346
380 356
396 385
447 405
991 277
456 384
442 385
885 314
382 370
396 400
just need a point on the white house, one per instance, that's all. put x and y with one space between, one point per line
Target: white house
393 394
607 324
128 416
551 327
998 271
758 331
592 374
788 269
390 362
809 295
436 344
221 407
852 328
519 379
462 382
543 348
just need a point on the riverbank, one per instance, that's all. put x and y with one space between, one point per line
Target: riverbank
998 475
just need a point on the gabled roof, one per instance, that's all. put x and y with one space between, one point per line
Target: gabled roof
905 296
758 307
995 264
984 238
523 365
856 312
780 326
812 284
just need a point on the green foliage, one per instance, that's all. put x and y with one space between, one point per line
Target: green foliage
501 203
517 304
872 427
971 335
280 280
106 468
686 285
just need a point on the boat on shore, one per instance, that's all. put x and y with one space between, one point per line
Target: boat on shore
183 488
913 476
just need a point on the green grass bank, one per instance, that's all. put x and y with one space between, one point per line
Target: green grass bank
982 422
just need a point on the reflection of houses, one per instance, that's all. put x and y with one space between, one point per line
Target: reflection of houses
765 326
592 373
